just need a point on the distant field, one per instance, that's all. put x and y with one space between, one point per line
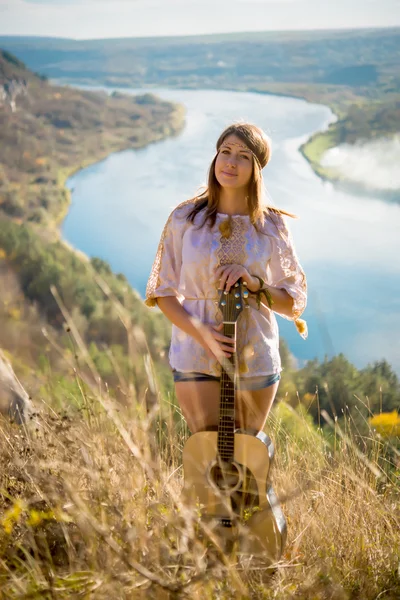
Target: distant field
355 58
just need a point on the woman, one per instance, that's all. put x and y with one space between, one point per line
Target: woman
208 243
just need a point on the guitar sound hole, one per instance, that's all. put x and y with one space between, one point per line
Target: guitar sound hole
226 476
246 497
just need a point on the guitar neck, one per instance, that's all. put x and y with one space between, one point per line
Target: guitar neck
226 425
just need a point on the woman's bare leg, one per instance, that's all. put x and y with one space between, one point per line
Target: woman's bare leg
199 402
252 408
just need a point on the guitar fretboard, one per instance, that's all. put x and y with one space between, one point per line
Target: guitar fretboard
226 425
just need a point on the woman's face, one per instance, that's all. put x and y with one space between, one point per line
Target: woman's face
234 164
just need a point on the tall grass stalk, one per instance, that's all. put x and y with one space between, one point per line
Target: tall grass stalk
90 504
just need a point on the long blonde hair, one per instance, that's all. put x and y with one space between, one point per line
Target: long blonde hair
258 142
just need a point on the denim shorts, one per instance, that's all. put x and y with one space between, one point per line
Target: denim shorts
245 383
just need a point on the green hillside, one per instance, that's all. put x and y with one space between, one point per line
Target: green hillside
57 130
52 132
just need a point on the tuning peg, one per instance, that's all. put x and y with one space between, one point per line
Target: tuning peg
223 303
225 292
247 306
245 294
245 283
237 284
238 305
237 295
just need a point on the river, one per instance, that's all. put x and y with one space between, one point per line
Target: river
348 244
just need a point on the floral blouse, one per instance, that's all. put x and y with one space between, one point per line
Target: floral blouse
185 266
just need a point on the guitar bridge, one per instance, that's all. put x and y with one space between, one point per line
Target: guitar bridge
226 523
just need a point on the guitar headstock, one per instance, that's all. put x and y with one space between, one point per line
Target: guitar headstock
231 303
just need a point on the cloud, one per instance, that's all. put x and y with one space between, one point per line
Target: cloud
373 163
88 19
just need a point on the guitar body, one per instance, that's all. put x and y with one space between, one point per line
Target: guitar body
226 471
245 508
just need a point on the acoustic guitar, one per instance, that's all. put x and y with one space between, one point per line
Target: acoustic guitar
226 472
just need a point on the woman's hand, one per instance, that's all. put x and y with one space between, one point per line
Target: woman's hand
227 276
215 343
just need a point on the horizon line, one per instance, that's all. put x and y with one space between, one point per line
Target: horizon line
201 35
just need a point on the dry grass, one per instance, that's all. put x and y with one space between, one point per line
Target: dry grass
90 507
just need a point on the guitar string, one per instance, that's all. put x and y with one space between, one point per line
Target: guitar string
227 412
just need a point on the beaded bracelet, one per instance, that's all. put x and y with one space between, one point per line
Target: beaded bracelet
263 291
301 325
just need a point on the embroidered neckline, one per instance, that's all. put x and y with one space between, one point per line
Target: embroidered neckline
224 215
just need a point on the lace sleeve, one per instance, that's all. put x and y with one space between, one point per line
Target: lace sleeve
165 273
285 272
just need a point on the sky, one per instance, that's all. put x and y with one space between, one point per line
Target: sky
88 19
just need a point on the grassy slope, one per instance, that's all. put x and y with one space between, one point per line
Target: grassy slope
54 132
92 507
